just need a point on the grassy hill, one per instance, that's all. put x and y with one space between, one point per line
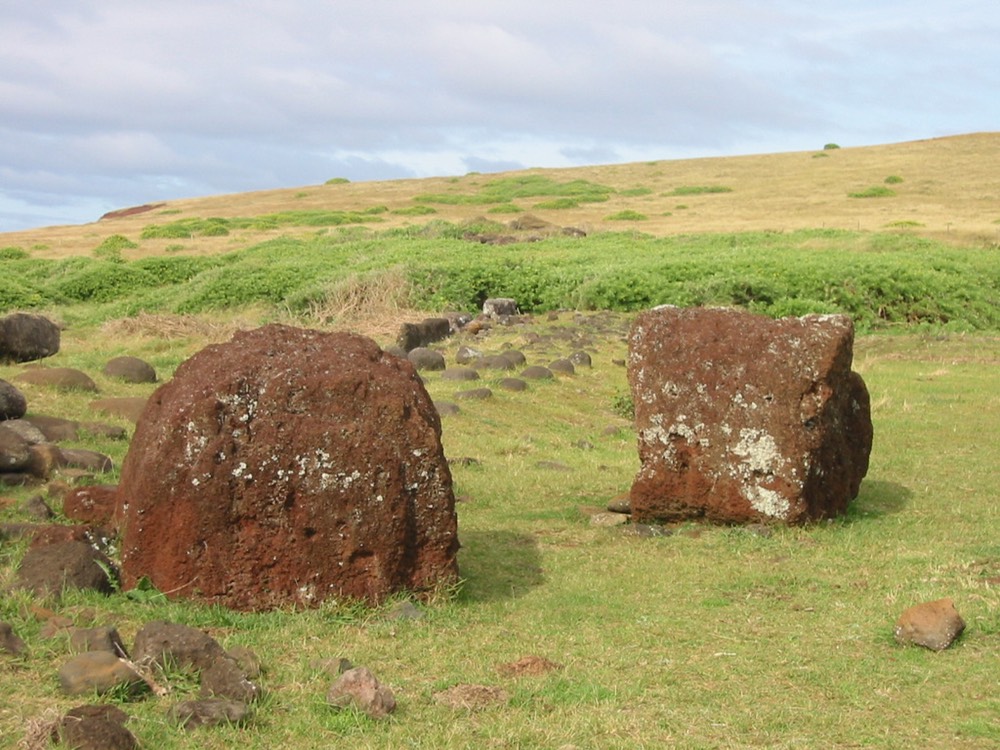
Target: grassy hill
946 189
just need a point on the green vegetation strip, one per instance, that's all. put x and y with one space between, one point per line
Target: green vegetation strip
883 280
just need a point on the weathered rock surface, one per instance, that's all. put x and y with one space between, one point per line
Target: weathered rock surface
358 687
127 407
25 337
50 568
13 404
96 727
498 307
285 467
15 451
130 370
95 503
226 679
98 671
100 638
744 419
169 643
423 358
10 641
934 625
427 331
62 378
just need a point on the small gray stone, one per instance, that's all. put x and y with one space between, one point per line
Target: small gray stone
360 688
476 394
103 638
10 641
513 384
98 671
608 519
537 372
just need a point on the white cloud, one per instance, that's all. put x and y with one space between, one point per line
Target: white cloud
191 97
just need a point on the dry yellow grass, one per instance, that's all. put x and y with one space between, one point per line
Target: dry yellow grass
950 191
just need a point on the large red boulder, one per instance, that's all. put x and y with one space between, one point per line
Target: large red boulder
742 418
286 467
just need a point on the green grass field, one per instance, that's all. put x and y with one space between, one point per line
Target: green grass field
707 638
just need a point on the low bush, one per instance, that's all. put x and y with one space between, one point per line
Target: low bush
876 191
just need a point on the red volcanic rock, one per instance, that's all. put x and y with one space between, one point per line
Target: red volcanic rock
744 419
286 467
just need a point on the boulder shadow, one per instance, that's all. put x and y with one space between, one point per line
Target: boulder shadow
498 564
878 498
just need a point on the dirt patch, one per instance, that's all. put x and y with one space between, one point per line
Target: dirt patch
131 211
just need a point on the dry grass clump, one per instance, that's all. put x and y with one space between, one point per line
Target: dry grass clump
38 731
373 304
167 326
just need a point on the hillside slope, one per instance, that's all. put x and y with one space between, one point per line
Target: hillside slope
945 188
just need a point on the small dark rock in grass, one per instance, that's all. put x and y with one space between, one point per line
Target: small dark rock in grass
226 679
102 638
426 359
562 366
13 404
580 359
537 372
10 641
445 408
460 373
553 466
513 384
36 507
165 643
61 378
95 727
53 567
476 394
620 504
126 407
130 370
98 671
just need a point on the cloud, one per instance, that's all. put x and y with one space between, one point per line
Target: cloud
150 101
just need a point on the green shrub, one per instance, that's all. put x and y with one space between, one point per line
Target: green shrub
700 190
415 211
505 208
12 252
876 191
337 181
830 147
557 203
627 215
102 281
893 179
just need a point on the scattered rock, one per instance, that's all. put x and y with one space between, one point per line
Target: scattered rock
101 638
498 307
130 370
168 643
98 671
208 712
446 408
513 384
89 460
467 355
472 697
15 451
327 451
743 419
358 687
55 429
580 358
74 564
61 378
13 404
405 610
247 660
608 519
96 727
10 641
537 372
620 504
562 366
226 679
46 458
934 625
25 337
414 335
460 373
423 358
36 507
475 394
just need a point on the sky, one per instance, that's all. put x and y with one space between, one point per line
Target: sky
106 104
